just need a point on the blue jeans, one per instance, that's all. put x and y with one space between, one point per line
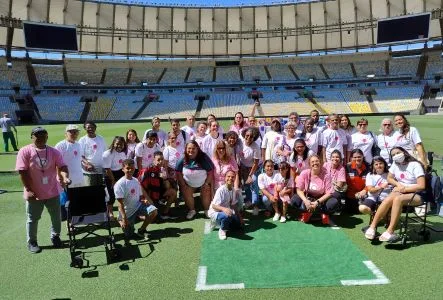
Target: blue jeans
34 209
9 136
251 190
227 223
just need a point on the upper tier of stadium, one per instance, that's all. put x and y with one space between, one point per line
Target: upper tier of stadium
203 3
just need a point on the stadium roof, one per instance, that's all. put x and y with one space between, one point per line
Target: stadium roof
204 3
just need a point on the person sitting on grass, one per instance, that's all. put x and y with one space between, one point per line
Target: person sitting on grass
223 210
407 176
154 180
376 184
266 184
133 202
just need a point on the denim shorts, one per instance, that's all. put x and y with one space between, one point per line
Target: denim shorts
143 210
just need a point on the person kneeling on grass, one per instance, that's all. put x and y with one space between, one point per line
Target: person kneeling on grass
223 210
407 176
158 187
133 202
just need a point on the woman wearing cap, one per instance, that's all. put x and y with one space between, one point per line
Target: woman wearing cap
195 171
386 140
271 139
161 135
38 165
407 176
409 139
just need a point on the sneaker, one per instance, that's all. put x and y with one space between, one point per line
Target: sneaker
305 217
276 217
212 224
222 234
370 233
283 219
33 247
191 214
324 219
142 233
389 237
56 241
255 211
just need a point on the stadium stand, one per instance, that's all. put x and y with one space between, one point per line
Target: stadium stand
227 104
174 75
49 74
203 74
308 71
125 107
332 101
338 70
8 107
227 74
101 108
434 67
15 75
280 72
59 108
357 103
142 74
253 72
281 103
89 71
364 68
172 105
397 99
116 76
403 66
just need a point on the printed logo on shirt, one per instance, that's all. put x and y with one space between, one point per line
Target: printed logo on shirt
94 146
120 161
75 153
364 141
132 191
178 143
402 176
336 138
177 154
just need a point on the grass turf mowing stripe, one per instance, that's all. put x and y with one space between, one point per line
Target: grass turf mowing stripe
292 254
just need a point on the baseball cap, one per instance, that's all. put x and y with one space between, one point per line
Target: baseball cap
37 130
72 127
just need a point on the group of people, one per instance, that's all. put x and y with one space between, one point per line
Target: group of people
305 164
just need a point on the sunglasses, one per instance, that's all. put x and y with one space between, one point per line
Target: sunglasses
387 124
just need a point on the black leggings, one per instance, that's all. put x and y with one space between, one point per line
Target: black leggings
328 207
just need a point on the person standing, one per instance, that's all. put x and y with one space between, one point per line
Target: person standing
189 128
38 166
6 124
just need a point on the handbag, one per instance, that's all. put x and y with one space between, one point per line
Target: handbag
375 150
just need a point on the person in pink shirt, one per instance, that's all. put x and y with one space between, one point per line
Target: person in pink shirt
239 123
223 161
314 192
38 166
335 169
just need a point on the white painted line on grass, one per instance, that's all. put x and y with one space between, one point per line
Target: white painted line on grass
380 277
202 286
207 227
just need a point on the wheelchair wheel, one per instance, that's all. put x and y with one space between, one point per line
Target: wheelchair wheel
426 235
404 239
77 262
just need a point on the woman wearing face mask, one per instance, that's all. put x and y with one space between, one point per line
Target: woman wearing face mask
407 176
312 136
356 172
386 140
409 139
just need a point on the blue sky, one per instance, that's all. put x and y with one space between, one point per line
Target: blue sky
203 3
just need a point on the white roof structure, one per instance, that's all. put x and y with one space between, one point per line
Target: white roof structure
165 29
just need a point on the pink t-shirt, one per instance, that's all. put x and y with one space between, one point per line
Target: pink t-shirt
41 166
338 174
221 169
318 185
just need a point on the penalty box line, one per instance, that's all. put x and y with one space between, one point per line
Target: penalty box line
380 277
202 286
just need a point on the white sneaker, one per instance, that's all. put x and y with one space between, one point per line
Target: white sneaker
212 224
276 217
283 219
221 234
255 211
191 214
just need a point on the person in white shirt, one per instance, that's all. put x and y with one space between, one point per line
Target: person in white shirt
295 119
223 209
363 139
210 119
386 140
271 139
189 127
266 184
93 146
334 138
131 142
181 136
133 202
407 176
6 124
312 136
208 143
408 138
144 151
171 156
200 132
249 165
161 135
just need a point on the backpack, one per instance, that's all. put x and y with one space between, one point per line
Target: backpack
183 135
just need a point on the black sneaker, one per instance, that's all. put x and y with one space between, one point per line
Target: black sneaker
56 241
33 247
141 233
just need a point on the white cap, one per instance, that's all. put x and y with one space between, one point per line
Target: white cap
72 127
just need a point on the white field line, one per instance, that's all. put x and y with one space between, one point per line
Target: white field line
380 277
202 286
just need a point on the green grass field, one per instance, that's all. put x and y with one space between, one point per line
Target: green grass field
166 266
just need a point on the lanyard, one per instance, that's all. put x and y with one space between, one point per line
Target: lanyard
41 161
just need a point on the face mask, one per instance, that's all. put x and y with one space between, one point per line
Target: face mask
399 158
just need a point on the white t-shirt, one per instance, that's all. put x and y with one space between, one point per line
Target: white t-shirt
266 182
313 140
386 143
113 160
248 154
181 141
377 180
93 149
289 183
407 174
131 152
190 131
162 137
199 140
299 164
72 156
172 155
407 141
146 153
223 197
332 140
130 191
270 140
208 144
364 142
